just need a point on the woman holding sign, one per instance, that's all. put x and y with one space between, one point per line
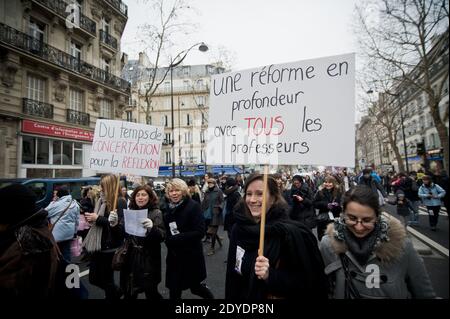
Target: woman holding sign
141 271
291 265
105 235
185 226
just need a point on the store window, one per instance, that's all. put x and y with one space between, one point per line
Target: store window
77 153
28 150
42 151
47 151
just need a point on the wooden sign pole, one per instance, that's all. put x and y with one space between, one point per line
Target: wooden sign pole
117 193
263 212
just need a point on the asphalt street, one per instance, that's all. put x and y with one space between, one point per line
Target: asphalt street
436 263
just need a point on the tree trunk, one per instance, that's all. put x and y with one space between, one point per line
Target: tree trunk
401 166
441 130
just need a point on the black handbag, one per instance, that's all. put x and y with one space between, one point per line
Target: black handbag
350 291
120 256
323 218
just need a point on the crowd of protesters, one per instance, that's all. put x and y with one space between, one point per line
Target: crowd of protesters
344 209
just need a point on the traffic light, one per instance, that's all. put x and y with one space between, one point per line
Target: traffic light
420 148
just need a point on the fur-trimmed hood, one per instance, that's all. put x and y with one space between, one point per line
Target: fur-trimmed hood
387 251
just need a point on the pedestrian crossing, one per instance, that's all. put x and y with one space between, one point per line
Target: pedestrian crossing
423 211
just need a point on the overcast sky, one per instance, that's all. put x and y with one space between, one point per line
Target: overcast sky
259 32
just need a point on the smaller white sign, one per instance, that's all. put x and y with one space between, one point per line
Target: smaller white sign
126 148
133 221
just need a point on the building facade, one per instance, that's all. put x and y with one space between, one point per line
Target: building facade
423 147
184 144
60 66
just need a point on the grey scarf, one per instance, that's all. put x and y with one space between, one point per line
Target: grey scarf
172 206
93 241
362 248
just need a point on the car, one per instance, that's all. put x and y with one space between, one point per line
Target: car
44 187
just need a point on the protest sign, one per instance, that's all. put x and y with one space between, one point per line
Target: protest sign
126 147
287 114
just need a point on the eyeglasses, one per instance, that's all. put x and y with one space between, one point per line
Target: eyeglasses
365 222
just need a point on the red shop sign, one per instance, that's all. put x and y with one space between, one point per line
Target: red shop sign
56 131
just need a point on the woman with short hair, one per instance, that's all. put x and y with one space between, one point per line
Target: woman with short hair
185 225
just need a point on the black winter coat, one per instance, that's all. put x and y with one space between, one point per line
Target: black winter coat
296 265
185 259
112 237
303 211
231 200
373 184
323 198
410 188
142 268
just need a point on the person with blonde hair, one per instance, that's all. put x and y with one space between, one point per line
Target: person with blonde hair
105 236
184 222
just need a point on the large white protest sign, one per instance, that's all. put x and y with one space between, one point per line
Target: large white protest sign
125 147
294 113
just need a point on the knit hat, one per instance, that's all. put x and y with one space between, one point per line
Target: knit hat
19 203
231 182
211 180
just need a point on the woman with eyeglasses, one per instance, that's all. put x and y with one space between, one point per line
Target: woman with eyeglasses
368 254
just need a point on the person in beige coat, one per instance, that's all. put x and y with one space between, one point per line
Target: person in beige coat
367 254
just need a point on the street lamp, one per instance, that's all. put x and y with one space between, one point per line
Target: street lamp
370 91
173 63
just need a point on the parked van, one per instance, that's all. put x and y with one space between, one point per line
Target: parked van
44 187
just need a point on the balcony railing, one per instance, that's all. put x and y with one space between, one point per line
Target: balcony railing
77 117
59 7
37 108
24 42
183 89
120 6
108 39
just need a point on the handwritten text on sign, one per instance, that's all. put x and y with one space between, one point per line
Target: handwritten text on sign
124 147
294 113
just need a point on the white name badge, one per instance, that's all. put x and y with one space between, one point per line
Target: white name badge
173 228
239 256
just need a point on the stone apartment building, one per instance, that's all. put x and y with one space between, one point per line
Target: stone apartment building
60 67
185 144
423 146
